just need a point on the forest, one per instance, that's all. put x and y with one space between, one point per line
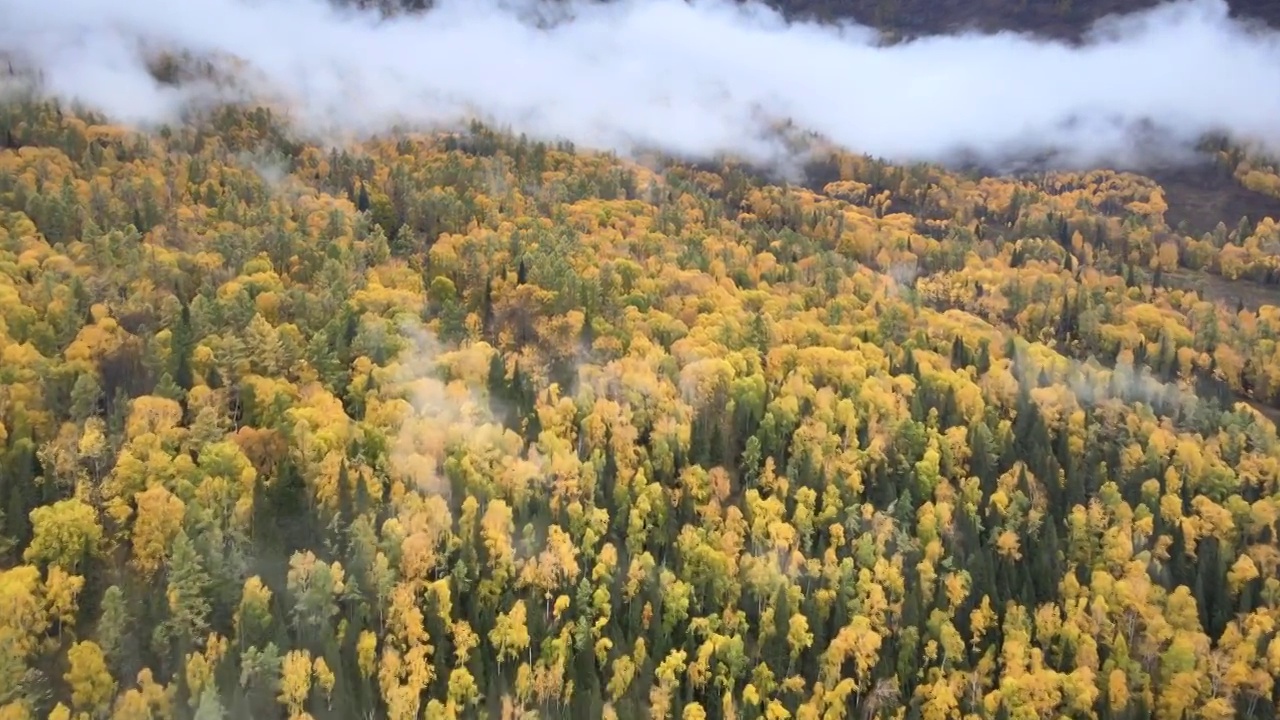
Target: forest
465 425
1067 20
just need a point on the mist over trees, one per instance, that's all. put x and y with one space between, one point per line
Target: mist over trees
695 80
654 397
471 425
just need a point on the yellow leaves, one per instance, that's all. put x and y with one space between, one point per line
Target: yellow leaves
156 416
857 641
928 470
464 641
775 710
799 638
159 518
956 586
65 533
324 677
1244 570
1273 656
323 420
62 595
679 337
227 486
510 635
1117 690
561 333
702 382
254 612
1079 690
1213 519
404 617
693 711
562 603
148 700
1261 182
366 653
554 567
59 457
495 532
384 301
1118 543
981 619
940 701
1219 708
25 619
402 697
94 341
1266 558
463 689
1178 694
295 681
201 666
93 442
624 671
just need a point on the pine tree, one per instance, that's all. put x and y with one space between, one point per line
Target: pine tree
114 632
346 503
183 345
362 198
186 592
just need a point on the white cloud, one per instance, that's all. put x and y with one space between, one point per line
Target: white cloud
693 78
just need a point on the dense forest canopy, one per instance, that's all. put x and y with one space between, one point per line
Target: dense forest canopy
470 425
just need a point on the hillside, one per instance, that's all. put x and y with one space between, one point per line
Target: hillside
1201 195
1065 19
1061 19
469 426
465 425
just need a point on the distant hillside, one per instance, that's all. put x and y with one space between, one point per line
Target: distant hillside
1055 18
1065 19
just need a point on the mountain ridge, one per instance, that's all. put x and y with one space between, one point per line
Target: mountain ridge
1059 19
1067 20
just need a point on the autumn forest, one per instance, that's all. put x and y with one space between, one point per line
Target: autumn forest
471 426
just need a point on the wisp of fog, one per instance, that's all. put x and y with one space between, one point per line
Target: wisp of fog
689 78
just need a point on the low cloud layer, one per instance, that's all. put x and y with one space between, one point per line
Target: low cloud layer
696 78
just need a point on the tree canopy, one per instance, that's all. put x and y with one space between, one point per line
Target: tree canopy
469 425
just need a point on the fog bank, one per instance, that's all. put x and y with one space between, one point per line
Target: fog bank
697 78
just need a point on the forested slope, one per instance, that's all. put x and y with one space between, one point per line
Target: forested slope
472 426
1066 19
1060 19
